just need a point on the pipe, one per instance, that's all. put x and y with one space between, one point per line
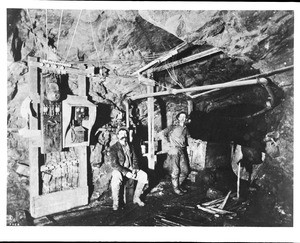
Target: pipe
268 73
205 87
250 77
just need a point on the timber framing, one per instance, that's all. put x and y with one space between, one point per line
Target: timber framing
180 48
188 59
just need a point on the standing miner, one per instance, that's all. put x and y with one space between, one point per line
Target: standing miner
177 163
125 170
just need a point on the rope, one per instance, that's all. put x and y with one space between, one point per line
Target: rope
59 29
94 40
105 36
29 17
174 78
73 35
161 85
35 38
47 34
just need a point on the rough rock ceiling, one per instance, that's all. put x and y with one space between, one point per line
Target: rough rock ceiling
124 41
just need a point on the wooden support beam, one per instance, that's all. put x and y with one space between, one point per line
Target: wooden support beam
81 85
187 59
34 153
127 112
82 150
201 88
66 68
150 107
183 46
190 106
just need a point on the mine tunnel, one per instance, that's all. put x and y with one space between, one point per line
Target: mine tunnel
79 79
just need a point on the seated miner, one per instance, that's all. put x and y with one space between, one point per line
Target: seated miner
177 164
125 170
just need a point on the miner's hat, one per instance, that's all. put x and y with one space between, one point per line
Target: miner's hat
122 128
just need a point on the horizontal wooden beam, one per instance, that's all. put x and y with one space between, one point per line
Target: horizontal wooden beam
201 88
187 59
66 68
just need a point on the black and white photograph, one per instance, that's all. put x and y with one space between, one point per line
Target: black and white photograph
165 120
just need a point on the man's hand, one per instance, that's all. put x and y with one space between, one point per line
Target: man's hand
129 175
132 175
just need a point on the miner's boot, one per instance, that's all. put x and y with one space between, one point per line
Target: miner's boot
181 186
138 192
176 186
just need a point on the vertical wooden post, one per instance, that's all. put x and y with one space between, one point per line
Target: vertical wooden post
81 85
34 181
190 106
151 149
238 182
127 112
82 150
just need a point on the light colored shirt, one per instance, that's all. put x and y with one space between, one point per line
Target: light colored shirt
177 135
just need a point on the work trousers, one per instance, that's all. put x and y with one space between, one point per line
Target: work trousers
177 164
119 180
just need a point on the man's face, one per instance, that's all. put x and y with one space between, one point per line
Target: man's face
182 118
122 135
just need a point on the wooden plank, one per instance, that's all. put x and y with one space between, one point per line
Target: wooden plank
59 201
206 210
82 158
225 200
219 211
213 202
187 59
201 88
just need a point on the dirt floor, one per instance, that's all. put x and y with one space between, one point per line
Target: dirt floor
164 208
